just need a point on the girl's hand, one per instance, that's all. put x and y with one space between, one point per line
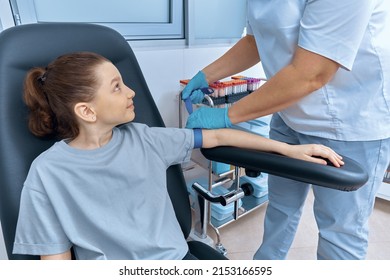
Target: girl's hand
315 153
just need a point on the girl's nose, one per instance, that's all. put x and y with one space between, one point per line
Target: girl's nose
130 93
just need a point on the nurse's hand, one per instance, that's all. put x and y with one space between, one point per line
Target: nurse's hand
193 88
211 118
315 153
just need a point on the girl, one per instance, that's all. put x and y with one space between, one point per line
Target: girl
102 188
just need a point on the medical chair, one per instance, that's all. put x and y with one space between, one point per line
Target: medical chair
26 46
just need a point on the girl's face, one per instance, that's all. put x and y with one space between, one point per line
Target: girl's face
113 101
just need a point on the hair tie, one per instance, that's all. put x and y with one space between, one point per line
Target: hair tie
42 78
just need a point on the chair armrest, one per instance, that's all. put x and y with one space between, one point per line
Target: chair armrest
350 177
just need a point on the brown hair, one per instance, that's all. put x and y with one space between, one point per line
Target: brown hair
50 93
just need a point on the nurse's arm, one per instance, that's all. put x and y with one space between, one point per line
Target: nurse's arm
238 58
306 73
63 256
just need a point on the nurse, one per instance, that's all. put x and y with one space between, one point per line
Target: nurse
328 69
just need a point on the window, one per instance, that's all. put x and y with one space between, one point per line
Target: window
213 21
206 21
6 19
134 19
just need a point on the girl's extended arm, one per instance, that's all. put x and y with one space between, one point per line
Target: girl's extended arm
241 139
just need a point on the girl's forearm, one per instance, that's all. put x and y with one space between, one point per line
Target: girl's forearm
231 137
241 139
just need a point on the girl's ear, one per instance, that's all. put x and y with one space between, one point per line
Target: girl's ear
85 112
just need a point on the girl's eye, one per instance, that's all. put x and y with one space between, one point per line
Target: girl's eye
117 87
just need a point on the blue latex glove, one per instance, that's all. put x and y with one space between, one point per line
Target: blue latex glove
206 117
193 88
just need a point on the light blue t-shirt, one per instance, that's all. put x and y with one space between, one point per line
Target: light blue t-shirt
108 203
355 104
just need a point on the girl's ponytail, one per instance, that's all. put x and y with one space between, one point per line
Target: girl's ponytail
41 119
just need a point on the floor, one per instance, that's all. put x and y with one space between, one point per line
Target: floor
242 237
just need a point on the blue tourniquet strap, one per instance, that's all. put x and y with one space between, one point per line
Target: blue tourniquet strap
198 138
188 104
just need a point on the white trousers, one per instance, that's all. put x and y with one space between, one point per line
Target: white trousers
342 217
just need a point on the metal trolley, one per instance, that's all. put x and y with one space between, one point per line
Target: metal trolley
239 194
